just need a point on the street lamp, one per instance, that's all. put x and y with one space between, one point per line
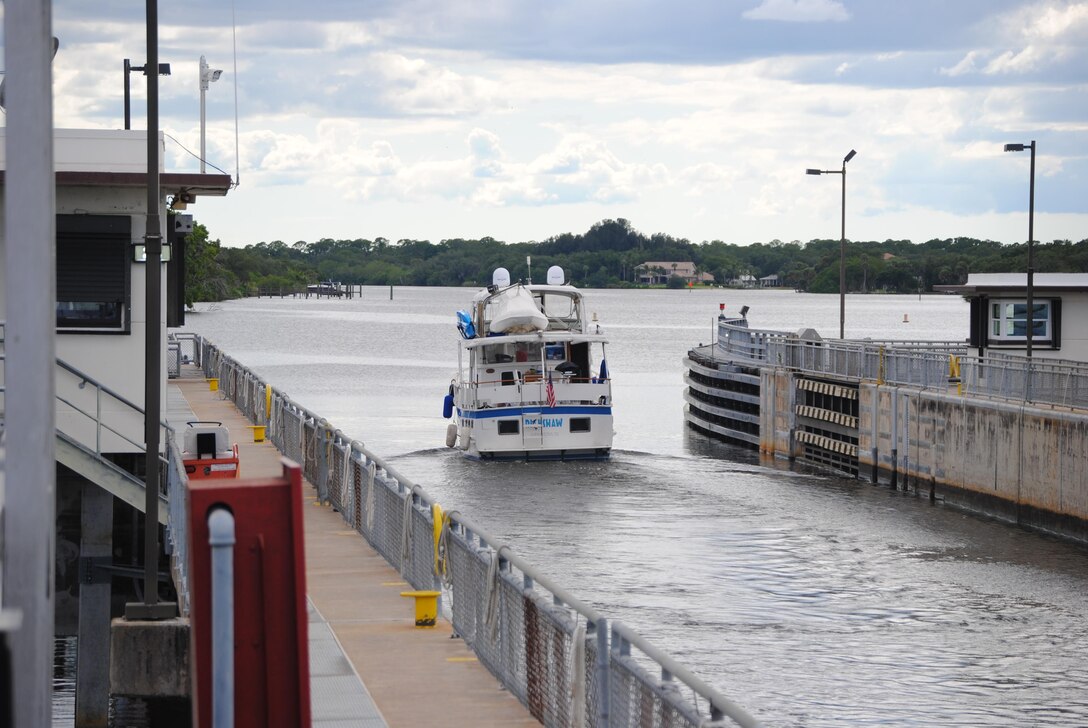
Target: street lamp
842 240
207 76
1031 240
164 70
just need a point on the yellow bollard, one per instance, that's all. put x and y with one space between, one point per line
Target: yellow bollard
258 432
213 385
426 606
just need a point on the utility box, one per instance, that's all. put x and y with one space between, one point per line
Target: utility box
271 655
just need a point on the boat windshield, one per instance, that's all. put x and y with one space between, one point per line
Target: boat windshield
562 309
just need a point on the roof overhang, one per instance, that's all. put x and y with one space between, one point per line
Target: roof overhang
170 183
979 284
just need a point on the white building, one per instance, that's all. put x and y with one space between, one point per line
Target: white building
101 212
999 318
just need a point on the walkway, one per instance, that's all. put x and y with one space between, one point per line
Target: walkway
369 665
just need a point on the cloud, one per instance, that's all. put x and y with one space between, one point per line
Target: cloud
1030 39
799 11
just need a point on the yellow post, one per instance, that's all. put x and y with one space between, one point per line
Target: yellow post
954 372
268 400
213 384
426 606
258 432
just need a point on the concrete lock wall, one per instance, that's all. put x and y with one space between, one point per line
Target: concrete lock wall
777 421
1019 462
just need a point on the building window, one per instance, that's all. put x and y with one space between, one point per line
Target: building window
93 273
1009 321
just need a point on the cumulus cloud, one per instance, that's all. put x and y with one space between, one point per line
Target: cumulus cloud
416 86
1030 39
799 11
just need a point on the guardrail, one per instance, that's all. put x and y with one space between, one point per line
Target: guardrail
548 648
923 364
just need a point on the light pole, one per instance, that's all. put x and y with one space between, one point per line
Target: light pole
207 76
164 70
842 240
1031 240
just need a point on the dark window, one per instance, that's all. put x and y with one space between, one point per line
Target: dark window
579 424
93 273
508 427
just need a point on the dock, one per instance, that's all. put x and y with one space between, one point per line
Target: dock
369 665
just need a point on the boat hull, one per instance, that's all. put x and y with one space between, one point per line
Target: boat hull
536 433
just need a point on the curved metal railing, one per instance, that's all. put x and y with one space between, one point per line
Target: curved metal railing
924 364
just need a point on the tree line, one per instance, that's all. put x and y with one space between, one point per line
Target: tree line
607 256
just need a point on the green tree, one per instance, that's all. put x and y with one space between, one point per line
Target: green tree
206 279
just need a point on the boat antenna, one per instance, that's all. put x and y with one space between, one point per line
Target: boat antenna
529 264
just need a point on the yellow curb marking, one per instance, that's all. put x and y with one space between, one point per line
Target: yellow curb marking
461 659
394 583
344 533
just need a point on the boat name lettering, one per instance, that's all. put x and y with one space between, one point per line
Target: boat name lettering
543 422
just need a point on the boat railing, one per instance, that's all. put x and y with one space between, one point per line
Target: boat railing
512 393
547 648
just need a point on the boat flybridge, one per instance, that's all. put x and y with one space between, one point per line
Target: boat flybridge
532 380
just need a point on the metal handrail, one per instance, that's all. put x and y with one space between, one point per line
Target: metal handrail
925 364
721 707
97 416
235 378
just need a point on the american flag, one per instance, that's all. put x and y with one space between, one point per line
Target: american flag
550 390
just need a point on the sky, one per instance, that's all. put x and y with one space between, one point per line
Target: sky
522 119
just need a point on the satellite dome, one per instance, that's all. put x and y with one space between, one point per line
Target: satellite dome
501 277
555 276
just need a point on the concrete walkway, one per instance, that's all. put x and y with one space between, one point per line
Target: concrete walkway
369 665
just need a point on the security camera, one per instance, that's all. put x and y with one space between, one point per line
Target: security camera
216 73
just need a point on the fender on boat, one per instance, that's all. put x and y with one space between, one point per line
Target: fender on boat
447 406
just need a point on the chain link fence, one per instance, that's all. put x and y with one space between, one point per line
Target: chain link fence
550 650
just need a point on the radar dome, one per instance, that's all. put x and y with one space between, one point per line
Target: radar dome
555 276
501 277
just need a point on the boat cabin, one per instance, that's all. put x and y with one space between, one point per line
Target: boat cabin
999 313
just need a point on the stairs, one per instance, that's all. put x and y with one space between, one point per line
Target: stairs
98 470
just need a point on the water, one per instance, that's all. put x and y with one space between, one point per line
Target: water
811 599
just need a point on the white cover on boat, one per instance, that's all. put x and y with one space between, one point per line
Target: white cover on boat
222 443
515 312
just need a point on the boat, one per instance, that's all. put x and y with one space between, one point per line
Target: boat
325 288
532 378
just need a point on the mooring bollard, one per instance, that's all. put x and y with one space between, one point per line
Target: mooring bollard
426 606
213 384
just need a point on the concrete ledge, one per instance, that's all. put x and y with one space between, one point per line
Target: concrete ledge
150 659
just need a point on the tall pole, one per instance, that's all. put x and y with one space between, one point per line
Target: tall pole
1031 259
128 97
842 260
29 246
150 608
203 89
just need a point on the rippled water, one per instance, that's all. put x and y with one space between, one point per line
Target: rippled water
811 599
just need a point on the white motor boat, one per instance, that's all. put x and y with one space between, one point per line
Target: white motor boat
532 380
